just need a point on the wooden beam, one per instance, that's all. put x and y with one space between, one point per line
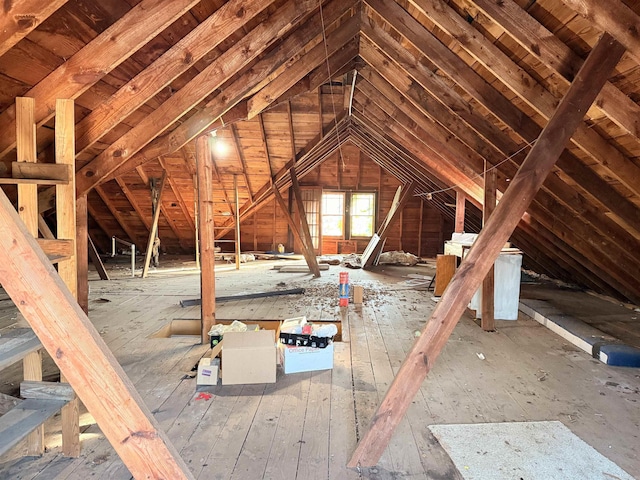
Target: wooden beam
265 146
199 42
488 322
305 64
555 54
96 260
294 226
528 89
82 249
232 96
154 225
67 269
460 211
240 153
42 171
20 17
207 81
613 17
496 148
206 235
502 108
95 60
81 354
237 220
307 244
26 135
487 246
117 215
28 212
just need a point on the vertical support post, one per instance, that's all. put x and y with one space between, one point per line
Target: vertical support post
82 251
28 212
237 219
307 243
195 214
204 168
293 225
488 321
524 186
420 228
133 260
153 233
460 211
67 269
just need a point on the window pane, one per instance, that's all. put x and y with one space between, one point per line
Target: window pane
333 214
362 213
361 226
332 204
332 225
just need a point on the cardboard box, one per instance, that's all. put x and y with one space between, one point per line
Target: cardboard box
305 359
207 371
249 357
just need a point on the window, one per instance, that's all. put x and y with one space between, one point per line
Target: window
333 214
362 214
350 215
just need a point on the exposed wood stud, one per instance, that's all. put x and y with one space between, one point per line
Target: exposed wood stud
154 225
206 235
488 321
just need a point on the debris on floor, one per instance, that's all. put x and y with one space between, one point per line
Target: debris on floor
398 257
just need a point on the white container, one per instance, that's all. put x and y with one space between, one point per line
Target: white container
506 293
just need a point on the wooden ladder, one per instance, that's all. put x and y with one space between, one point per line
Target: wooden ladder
43 399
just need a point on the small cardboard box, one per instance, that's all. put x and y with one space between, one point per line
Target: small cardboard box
249 357
305 359
207 371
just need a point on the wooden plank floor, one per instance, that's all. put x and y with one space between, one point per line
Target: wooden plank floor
306 425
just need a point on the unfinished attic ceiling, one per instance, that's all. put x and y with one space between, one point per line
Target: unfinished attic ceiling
429 90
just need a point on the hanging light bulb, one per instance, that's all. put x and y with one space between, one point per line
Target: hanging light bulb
219 146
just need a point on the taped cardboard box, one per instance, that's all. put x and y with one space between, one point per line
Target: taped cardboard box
249 357
305 359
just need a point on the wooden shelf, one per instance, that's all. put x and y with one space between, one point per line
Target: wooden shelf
16 345
24 418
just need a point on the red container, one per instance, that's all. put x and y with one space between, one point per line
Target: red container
344 277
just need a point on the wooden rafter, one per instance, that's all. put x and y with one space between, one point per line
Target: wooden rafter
21 17
497 146
614 17
243 162
525 127
544 45
176 191
208 80
486 248
117 215
240 87
307 62
528 89
174 62
95 60
549 214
